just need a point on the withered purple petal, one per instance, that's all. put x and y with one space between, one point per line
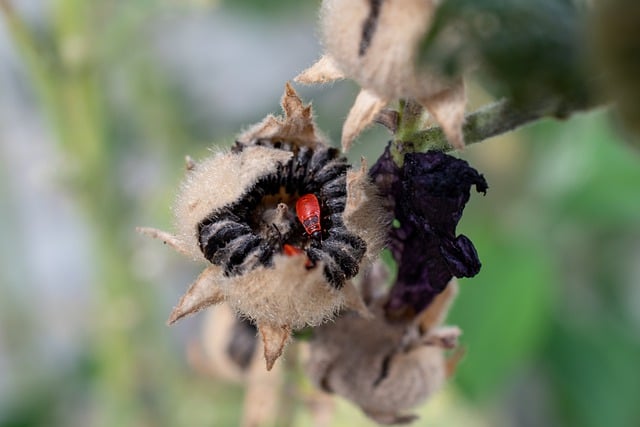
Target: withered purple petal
461 256
386 175
420 277
429 193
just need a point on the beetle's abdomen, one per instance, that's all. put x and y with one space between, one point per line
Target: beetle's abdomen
308 212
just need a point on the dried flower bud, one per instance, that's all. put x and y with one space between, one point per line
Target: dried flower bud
375 42
237 210
385 368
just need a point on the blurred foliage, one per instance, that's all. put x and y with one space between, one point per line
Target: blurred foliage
616 54
558 231
271 8
70 61
593 218
504 312
551 294
525 50
590 367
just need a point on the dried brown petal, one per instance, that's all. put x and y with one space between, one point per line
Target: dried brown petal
167 238
364 111
364 212
274 338
447 109
323 71
297 125
435 313
201 294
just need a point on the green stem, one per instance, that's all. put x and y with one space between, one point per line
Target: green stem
409 122
34 59
491 120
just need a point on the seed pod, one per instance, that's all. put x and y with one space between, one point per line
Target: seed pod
385 368
375 43
236 211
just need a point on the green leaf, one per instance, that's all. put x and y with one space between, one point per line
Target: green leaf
616 51
526 50
583 177
594 367
502 312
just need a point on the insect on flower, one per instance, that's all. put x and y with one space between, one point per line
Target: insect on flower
235 210
308 211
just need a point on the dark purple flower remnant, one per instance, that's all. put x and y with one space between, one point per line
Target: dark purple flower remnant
428 195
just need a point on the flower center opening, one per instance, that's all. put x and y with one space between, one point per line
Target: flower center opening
264 221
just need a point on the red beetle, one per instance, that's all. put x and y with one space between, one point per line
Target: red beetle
308 211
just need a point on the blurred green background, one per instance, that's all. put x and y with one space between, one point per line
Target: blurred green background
99 103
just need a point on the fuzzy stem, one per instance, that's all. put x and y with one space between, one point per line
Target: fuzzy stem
410 117
409 123
491 120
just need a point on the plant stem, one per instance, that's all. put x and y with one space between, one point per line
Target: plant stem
491 120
